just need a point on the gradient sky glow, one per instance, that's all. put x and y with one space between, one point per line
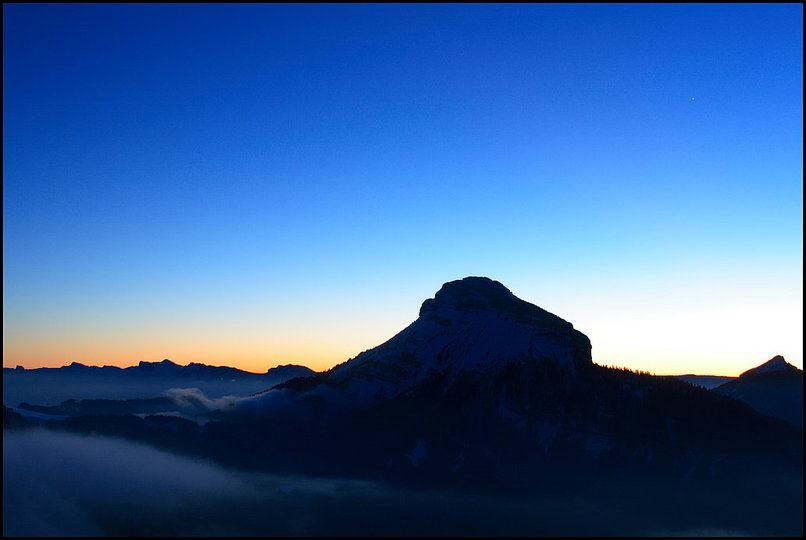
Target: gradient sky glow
253 185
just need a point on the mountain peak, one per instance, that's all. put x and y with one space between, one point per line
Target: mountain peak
472 325
475 285
470 294
482 294
775 364
158 366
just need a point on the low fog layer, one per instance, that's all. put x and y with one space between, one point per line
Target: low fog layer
64 484
52 389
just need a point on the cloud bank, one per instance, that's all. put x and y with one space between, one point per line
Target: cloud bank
59 484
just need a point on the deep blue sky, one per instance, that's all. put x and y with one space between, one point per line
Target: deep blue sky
260 184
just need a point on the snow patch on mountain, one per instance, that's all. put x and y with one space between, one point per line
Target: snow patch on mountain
776 363
473 325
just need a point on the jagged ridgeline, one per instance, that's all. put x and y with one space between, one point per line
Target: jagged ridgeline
73 388
486 391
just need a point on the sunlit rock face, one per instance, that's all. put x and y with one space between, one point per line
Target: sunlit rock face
473 325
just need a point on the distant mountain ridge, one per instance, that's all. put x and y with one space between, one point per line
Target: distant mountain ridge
167 367
52 386
774 388
705 381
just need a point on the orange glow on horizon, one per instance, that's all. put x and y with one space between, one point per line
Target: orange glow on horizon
259 361
255 361
321 342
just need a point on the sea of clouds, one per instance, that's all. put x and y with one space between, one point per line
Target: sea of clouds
61 484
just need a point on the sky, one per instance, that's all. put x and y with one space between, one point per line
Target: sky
262 184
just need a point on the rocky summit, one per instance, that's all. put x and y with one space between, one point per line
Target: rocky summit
776 364
473 325
774 388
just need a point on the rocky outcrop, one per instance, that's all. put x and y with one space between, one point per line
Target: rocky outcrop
473 325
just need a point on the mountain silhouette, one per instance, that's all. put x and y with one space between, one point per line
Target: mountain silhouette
165 368
487 392
485 389
53 386
774 388
471 326
706 381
